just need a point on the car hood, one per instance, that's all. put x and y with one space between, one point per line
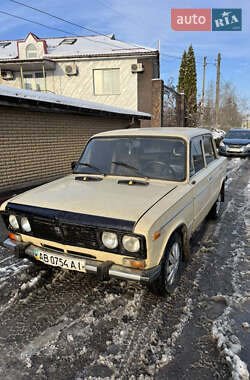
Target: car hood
237 141
105 197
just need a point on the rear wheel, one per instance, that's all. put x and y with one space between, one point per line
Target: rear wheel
171 267
216 209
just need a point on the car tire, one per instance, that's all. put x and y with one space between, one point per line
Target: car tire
216 209
171 267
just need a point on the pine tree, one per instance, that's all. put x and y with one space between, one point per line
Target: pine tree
187 83
180 86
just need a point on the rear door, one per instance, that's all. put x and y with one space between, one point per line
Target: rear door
214 169
199 180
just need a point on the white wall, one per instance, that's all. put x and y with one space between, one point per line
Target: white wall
81 85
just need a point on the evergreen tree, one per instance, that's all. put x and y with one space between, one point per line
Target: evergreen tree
180 86
191 83
187 83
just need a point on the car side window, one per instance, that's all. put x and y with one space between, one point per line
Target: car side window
196 155
208 149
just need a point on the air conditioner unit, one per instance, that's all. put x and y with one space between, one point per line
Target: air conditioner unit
71 69
7 75
137 68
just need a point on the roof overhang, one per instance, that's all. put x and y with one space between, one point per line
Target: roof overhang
106 55
28 65
32 104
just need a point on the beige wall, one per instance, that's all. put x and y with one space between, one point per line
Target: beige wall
135 88
39 145
30 40
81 86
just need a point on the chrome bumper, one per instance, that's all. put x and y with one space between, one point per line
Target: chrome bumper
103 270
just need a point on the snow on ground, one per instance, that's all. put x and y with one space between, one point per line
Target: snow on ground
218 133
222 329
89 323
10 267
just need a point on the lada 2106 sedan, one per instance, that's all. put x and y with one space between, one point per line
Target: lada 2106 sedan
128 209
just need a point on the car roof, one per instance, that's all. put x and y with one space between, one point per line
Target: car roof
159 132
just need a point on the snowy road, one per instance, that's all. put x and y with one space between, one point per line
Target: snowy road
65 325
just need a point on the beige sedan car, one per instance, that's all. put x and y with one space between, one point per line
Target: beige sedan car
128 209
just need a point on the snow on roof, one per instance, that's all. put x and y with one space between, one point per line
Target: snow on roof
63 100
82 46
8 50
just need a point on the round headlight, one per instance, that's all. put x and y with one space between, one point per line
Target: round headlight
222 143
25 224
110 240
131 243
13 222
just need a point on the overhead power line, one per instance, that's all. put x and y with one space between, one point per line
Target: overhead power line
71 23
61 30
35 22
58 18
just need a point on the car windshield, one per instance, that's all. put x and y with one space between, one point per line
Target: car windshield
241 134
146 157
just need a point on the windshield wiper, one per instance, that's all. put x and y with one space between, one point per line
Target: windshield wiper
129 167
89 166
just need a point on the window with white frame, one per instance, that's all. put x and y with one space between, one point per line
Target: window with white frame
106 81
34 81
31 51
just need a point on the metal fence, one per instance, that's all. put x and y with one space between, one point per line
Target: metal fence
173 108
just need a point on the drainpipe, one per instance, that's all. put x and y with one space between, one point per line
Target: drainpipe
21 74
44 77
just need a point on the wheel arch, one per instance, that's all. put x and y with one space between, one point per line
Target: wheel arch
182 230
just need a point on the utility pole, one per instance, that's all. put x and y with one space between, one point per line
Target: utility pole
203 88
217 91
159 48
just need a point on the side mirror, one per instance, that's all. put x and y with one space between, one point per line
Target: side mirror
73 165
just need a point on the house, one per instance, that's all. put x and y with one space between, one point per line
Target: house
42 133
95 68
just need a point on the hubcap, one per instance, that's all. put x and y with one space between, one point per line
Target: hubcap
172 263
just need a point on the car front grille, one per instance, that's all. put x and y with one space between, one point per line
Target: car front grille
83 236
235 146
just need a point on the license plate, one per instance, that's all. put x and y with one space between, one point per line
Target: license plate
60 261
235 149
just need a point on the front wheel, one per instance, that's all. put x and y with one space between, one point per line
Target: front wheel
170 268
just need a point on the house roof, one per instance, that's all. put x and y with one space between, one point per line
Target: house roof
83 46
20 97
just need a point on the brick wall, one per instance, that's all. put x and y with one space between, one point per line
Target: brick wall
38 146
157 103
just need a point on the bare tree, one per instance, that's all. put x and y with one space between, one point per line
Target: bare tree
169 104
229 113
232 107
209 108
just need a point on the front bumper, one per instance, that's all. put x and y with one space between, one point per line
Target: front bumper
244 152
104 270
